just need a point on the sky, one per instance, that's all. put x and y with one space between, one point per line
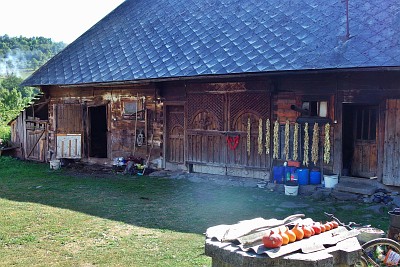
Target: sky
60 20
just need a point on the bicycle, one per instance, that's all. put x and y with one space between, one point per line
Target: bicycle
376 252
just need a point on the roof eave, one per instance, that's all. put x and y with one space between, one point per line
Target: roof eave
223 76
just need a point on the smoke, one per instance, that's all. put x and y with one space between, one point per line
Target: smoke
13 62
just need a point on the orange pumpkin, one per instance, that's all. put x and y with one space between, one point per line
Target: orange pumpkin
312 230
284 236
327 226
291 235
335 224
317 228
298 232
272 240
323 229
307 232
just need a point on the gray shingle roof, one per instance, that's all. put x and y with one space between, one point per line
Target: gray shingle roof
148 39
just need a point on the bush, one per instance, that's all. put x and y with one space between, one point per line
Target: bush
5 134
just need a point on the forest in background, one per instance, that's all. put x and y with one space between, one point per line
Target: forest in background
19 57
22 55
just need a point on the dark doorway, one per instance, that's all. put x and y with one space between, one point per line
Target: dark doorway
98 132
359 140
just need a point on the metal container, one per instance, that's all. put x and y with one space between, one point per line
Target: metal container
395 218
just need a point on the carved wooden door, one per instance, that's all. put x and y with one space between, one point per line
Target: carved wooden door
175 123
218 117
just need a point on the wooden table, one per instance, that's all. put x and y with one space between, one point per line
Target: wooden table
344 253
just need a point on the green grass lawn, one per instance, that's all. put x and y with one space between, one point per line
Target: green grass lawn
58 218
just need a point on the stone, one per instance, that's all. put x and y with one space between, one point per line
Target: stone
391 206
378 208
307 190
396 200
318 195
367 200
344 196
356 188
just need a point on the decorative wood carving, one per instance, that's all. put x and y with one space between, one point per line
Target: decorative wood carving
204 120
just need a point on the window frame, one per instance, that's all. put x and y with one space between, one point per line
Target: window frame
139 109
316 102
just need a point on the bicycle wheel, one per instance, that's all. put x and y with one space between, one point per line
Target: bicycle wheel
380 252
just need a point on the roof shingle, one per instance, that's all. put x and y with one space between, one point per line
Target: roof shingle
144 39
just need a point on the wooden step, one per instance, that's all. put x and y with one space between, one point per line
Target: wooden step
357 185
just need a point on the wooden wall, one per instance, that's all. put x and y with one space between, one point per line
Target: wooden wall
29 136
68 109
343 87
18 134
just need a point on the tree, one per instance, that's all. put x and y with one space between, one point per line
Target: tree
17 53
13 99
20 55
14 82
11 104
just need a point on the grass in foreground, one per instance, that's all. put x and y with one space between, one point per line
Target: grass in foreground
58 218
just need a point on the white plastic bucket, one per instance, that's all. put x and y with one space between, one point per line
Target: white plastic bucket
291 190
55 164
331 180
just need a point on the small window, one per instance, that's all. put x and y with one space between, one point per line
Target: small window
133 108
316 108
130 107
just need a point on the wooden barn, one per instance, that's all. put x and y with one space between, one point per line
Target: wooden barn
228 87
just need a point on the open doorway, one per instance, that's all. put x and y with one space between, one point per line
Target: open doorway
359 145
98 132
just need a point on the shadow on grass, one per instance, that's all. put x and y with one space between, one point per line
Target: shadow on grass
150 202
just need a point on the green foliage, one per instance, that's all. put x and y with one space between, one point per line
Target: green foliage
13 98
5 133
21 53
20 56
11 81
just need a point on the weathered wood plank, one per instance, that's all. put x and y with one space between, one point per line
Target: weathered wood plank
385 172
389 172
396 152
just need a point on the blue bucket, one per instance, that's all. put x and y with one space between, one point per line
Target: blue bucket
278 172
315 177
303 176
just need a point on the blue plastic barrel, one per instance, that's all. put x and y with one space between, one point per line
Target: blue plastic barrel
278 172
303 176
315 177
